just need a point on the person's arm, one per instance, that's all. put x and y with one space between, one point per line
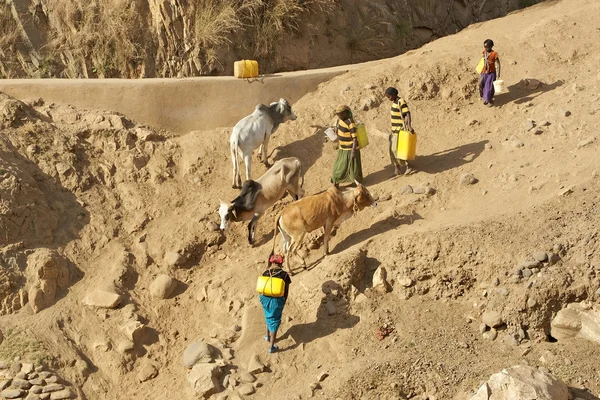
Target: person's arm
352 127
498 68
407 122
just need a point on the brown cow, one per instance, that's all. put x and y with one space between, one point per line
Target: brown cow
327 209
257 196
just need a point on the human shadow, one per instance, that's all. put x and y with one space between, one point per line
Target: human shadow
308 150
525 91
448 159
388 224
332 315
379 176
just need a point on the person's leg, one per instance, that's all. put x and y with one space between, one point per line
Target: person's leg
481 85
272 338
393 145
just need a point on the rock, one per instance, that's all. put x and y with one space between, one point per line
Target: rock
522 382
574 320
405 281
45 396
204 379
424 190
322 376
246 389
482 328
553 258
585 142
483 393
27 368
247 377
379 279
102 299
496 282
255 366
63 169
147 372
4 384
32 396
565 113
162 286
530 264
528 125
468 179
212 226
199 352
493 319
37 389
53 387
488 146
527 273
406 190
516 143
545 123
548 357
330 307
369 103
472 122
3 364
61 394
20 384
531 302
538 131
492 334
540 256
52 379
172 258
12 393
47 273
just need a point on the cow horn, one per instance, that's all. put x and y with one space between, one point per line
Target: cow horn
357 182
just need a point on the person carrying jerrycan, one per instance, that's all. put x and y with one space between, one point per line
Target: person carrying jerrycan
401 121
273 287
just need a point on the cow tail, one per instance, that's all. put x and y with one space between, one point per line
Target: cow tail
301 174
234 150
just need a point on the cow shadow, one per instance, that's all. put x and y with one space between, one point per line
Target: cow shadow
387 224
519 94
308 150
448 159
583 394
330 318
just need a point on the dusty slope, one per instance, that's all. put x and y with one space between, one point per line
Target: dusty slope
146 195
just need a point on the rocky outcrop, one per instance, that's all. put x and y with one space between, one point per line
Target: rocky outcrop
160 38
578 320
48 273
522 383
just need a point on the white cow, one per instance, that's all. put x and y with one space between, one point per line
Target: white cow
254 131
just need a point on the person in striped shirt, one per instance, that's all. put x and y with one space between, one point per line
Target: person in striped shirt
347 166
400 121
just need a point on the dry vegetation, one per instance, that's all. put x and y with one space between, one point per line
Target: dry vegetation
9 39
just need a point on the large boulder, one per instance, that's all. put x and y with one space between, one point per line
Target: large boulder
576 320
522 383
47 273
204 379
199 352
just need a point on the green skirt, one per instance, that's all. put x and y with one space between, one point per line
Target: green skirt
346 170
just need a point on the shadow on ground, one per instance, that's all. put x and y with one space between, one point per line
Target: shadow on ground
449 159
331 316
519 93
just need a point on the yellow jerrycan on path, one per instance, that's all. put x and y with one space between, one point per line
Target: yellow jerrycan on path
361 135
245 69
407 145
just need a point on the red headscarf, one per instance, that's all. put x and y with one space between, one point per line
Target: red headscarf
276 259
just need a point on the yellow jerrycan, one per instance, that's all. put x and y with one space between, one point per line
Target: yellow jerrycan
361 135
407 145
245 69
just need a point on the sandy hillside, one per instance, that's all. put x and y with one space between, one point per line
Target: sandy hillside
91 200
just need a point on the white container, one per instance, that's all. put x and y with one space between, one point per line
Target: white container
330 132
499 86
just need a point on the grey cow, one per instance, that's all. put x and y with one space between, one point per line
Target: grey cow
257 196
254 131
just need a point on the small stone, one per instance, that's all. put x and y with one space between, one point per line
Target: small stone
37 389
492 319
496 282
53 387
526 351
32 396
12 393
44 396
468 179
553 258
548 357
315 386
406 190
405 281
246 389
102 299
255 366
540 256
247 377
61 394
4 384
21 375
3 364
331 309
492 334
585 142
565 113
538 131
27 368
472 122
530 264
527 273
21 384
222 256
534 271
322 376
147 372
198 352
172 258
488 146
162 286
482 328
528 125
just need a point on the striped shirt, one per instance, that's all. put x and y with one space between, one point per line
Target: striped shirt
346 131
399 110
